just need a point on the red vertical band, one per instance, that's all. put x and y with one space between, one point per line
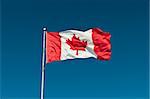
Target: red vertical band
102 45
53 46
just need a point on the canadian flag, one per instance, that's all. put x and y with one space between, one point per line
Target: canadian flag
71 44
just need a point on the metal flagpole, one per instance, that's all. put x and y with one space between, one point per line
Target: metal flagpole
43 64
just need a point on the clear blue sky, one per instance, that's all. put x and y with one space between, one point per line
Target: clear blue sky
125 76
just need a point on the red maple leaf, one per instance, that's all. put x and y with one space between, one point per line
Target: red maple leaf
76 44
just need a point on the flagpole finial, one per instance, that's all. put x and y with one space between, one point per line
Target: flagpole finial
44 29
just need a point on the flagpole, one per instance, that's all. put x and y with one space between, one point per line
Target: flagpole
43 64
